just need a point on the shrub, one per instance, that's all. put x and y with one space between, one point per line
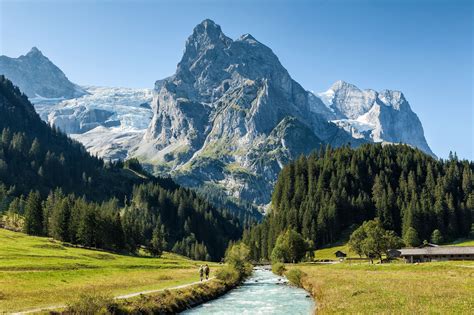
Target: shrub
295 276
92 303
228 275
278 268
12 221
238 256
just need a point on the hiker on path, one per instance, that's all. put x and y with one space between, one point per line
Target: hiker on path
206 269
201 272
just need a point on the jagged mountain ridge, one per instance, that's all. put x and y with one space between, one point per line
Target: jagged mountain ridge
38 77
232 115
384 116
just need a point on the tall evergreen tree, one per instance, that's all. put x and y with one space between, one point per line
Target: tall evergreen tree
33 214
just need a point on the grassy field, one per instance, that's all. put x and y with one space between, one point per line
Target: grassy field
441 288
328 253
37 272
463 242
358 287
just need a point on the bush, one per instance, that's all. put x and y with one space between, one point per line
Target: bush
278 269
295 276
228 275
237 257
12 221
92 303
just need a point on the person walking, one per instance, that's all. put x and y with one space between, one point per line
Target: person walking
207 270
201 272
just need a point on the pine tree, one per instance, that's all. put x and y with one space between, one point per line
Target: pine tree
411 238
436 237
156 245
33 214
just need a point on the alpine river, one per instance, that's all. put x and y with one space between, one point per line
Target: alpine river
262 293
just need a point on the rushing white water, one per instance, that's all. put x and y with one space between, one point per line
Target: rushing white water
262 293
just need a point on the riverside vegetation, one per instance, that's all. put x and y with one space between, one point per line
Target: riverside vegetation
237 268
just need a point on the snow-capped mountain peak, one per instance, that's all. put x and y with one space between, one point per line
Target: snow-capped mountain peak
383 116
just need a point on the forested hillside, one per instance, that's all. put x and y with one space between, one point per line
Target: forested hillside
50 185
35 156
333 190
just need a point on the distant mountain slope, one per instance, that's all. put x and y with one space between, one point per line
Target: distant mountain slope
383 116
37 76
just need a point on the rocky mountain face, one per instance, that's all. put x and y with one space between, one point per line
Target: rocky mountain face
38 77
383 116
232 116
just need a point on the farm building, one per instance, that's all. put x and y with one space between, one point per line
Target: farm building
434 253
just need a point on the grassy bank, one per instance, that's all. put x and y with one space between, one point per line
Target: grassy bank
38 272
237 268
166 302
445 287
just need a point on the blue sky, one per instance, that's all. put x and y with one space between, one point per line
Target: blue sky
423 48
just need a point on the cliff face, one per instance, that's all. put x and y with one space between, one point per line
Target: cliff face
384 116
232 115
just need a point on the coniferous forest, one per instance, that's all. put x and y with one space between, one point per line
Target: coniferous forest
335 190
51 186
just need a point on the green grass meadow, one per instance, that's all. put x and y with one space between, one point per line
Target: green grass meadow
429 288
356 287
39 272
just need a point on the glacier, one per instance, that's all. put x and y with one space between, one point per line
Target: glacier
109 121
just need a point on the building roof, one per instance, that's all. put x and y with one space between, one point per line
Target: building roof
428 245
439 250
